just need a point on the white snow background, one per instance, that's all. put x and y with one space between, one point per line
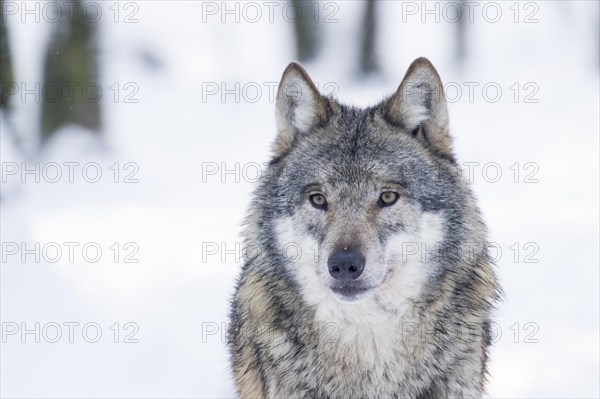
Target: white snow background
177 293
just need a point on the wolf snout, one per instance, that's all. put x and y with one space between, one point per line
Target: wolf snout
346 265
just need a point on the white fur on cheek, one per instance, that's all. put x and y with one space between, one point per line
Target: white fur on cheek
411 255
301 250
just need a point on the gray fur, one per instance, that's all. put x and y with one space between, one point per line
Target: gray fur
421 330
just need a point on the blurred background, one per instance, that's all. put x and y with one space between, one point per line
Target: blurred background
133 133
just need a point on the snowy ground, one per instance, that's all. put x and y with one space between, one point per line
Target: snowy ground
176 295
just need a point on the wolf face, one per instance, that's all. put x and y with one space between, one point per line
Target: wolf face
361 225
362 186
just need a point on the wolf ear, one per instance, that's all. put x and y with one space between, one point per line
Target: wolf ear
419 107
299 106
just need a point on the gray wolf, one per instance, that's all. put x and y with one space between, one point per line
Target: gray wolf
358 284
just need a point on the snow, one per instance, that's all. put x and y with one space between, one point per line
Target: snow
175 215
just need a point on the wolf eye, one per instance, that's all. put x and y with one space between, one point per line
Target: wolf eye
318 201
415 132
388 198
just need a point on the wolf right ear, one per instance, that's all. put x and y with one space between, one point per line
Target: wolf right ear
419 107
299 106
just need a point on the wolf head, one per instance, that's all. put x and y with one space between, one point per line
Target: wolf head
363 202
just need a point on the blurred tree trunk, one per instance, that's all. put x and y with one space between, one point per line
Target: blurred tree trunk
6 71
461 31
306 29
71 91
368 61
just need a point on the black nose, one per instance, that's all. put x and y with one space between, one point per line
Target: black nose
346 265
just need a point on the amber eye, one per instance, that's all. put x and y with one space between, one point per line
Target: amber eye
318 201
388 198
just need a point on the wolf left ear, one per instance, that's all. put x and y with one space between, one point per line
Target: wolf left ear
419 107
299 106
